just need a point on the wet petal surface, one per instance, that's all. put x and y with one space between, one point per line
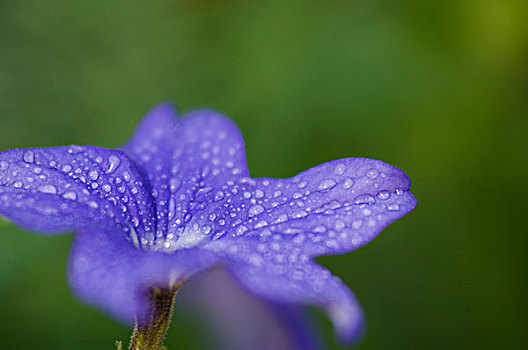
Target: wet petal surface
65 188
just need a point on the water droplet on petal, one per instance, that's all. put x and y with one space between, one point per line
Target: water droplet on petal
302 184
93 204
364 199
66 168
29 157
93 175
255 210
219 195
326 185
319 229
340 169
206 229
339 225
298 214
70 195
114 163
393 207
4 165
372 174
48 189
174 184
348 183
383 195
219 235
135 221
357 223
281 218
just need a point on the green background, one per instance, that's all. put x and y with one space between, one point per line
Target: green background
437 88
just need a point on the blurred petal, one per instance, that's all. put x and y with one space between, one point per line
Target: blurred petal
107 271
286 276
63 188
240 320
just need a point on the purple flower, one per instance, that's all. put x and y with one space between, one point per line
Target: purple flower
178 199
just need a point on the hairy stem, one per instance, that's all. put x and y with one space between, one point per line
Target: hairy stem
150 332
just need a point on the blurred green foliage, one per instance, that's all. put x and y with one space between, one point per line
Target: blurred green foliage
436 88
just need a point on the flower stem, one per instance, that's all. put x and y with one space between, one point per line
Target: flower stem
150 332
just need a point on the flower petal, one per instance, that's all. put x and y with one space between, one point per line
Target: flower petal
289 276
185 161
230 311
107 271
332 208
64 188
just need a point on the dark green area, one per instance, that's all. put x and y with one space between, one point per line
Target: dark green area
436 88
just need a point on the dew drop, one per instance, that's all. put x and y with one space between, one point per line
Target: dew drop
255 210
393 207
364 199
206 229
340 169
4 165
174 184
319 229
107 188
339 225
66 168
219 235
348 183
93 204
48 189
29 157
172 207
241 230
93 175
281 218
219 196
372 174
298 214
70 195
302 184
259 194
357 223
114 163
326 185
383 195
